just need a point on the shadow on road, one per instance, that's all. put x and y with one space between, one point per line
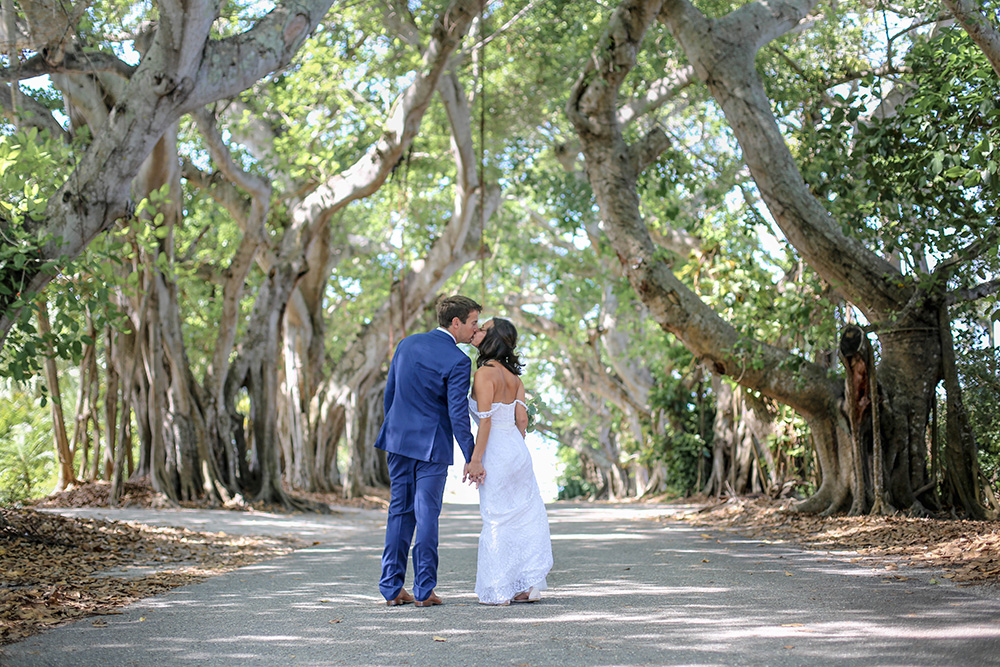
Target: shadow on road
626 589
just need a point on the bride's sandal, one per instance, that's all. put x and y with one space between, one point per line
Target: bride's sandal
531 595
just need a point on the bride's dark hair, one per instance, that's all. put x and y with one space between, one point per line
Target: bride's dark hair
499 344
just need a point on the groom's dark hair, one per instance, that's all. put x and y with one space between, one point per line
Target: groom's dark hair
458 306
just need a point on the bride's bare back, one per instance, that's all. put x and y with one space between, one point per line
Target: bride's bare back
495 384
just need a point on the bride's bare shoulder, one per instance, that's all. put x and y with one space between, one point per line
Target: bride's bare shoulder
488 372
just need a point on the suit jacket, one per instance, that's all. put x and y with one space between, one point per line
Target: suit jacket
427 399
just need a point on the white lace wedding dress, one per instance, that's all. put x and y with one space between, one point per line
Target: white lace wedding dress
515 551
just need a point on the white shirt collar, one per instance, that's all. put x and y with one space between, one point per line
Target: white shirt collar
449 333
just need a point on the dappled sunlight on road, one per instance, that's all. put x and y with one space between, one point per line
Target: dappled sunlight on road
627 588
610 537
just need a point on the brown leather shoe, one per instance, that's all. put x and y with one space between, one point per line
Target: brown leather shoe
431 600
402 598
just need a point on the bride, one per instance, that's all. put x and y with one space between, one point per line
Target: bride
515 552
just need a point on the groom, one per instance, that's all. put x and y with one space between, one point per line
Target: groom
426 408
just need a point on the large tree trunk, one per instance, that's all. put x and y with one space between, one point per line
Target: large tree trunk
127 350
111 403
723 52
613 168
257 370
741 461
181 414
183 69
186 470
962 461
84 413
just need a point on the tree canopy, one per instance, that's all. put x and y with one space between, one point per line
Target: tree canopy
749 246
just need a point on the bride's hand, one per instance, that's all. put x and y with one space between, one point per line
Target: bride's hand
474 473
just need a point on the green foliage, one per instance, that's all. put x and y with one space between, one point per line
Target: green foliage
28 160
533 405
792 448
979 371
685 456
26 456
684 402
573 483
30 166
923 181
932 169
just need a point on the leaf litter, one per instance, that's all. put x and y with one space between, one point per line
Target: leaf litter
967 551
55 569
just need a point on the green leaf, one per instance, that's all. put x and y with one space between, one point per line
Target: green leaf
937 163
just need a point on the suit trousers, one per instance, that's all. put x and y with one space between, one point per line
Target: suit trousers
416 496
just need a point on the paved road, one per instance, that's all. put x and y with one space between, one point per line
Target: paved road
625 590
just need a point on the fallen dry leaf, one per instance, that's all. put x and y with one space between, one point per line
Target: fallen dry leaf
59 565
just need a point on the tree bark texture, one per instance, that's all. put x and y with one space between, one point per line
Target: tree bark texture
64 455
613 167
741 461
182 70
975 21
722 52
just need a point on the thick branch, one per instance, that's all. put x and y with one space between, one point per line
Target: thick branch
770 370
255 186
980 291
723 54
74 62
29 112
232 65
659 93
759 23
986 36
367 174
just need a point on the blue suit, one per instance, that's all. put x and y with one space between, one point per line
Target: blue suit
426 410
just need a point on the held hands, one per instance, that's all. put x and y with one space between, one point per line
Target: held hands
474 473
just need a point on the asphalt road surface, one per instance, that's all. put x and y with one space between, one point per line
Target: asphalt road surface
626 589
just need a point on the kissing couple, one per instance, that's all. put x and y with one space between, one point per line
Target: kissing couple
427 407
